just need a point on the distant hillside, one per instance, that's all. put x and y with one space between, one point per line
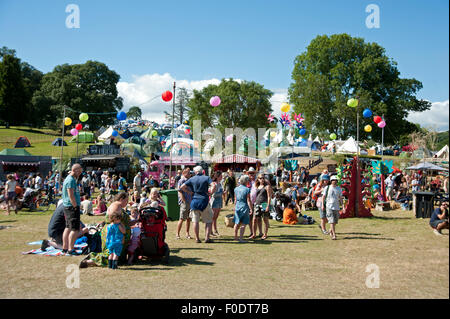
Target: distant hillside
442 140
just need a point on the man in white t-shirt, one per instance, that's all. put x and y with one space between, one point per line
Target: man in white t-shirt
332 197
137 185
389 182
38 181
86 206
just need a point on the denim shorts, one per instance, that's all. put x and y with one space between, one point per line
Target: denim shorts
322 213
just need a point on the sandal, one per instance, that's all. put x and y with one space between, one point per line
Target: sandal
177 237
264 237
188 237
252 237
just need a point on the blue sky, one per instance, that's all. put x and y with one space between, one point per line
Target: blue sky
201 40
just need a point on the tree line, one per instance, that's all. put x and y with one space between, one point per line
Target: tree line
331 70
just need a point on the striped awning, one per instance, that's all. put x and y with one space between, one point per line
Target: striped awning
236 158
21 163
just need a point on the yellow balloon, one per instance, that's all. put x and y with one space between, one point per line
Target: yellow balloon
67 121
273 134
368 128
285 107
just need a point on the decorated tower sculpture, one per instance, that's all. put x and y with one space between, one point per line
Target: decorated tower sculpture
354 189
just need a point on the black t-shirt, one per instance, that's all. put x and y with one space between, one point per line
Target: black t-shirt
279 172
57 223
231 184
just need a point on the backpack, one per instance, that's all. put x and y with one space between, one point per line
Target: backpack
94 242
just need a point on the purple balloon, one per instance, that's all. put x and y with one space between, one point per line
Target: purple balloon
74 132
214 101
382 124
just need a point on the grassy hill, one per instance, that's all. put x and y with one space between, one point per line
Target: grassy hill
442 140
41 142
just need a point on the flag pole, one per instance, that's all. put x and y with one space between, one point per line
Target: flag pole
62 147
171 138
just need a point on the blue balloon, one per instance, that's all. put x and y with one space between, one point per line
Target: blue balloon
376 186
121 116
367 113
115 133
302 131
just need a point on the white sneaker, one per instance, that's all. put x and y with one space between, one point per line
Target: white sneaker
437 232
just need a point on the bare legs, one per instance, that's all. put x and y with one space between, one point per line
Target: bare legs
241 228
180 224
214 223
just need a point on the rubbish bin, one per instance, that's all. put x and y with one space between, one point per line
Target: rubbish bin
423 203
172 208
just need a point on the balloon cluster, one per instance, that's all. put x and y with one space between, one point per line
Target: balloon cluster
379 121
78 127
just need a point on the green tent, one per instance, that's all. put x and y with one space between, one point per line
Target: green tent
147 134
135 140
14 151
83 137
130 147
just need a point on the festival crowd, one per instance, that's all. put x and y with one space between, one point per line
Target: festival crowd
257 197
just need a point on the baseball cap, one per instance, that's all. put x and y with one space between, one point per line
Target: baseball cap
251 169
325 178
333 178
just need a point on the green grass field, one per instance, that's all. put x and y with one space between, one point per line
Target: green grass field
294 262
41 142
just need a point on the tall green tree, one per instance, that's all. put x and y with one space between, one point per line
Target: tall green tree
134 113
31 80
338 67
243 105
181 111
89 87
13 98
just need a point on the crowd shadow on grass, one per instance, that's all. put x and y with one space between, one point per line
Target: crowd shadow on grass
364 236
269 240
174 261
390 218
177 250
5 227
7 221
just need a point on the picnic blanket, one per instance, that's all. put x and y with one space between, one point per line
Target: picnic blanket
51 251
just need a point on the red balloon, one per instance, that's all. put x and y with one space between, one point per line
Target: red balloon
377 119
167 96
79 127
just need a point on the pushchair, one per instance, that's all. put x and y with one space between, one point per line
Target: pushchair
153 234
30 199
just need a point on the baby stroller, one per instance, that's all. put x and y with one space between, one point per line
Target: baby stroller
30 199
153 234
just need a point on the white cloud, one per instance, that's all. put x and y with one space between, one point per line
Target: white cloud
145 91
279 96
436 116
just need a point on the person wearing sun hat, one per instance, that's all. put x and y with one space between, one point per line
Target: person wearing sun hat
332 198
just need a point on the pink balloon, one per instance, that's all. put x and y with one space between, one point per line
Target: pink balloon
229 138
215 101
382 124
74 132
